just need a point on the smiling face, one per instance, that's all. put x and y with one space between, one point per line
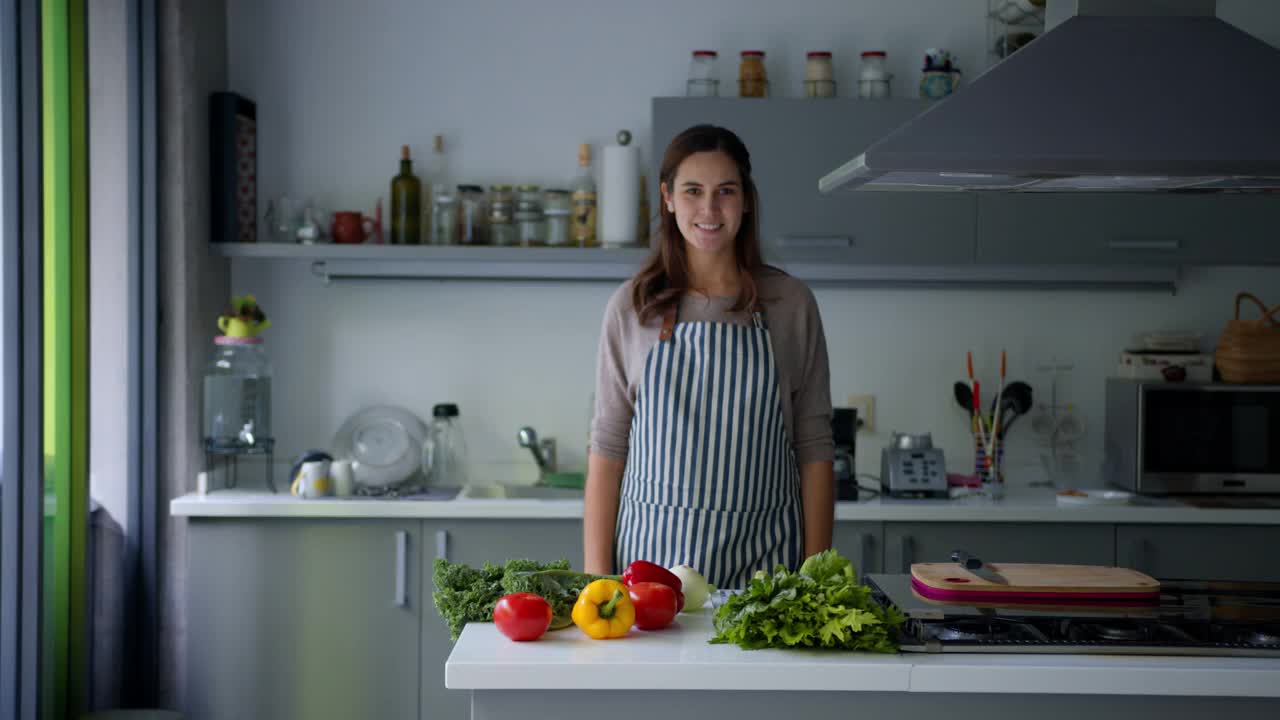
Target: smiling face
706 197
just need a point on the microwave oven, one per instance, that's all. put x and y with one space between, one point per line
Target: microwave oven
1185 438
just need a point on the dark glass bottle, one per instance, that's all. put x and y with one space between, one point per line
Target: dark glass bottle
406 204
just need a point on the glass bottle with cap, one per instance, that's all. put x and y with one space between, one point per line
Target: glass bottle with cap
556 209
530 229
703 81
444 452
873 78
471 215
819 77
752 80
501 215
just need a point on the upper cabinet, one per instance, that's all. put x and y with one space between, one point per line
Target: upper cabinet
1128 229
795 141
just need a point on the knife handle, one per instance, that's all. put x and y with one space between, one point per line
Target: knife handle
967 561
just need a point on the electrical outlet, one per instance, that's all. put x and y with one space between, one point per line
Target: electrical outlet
866 405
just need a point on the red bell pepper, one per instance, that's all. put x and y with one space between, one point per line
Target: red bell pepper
645 571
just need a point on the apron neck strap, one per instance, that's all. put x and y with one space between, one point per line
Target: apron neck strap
668 323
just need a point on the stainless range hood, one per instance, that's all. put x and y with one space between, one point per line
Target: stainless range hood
1128 95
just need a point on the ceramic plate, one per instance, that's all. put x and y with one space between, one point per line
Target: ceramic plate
1094 497
384 444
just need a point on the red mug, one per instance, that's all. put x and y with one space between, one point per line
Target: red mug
350 228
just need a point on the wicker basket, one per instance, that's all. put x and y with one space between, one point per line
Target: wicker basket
1249 350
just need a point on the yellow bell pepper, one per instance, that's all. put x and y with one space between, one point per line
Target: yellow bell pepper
604 610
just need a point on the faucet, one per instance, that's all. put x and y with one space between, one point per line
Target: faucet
544 451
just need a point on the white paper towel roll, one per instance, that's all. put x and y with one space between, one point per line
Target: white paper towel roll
619 194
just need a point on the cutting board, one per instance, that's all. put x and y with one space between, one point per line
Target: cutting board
1033 583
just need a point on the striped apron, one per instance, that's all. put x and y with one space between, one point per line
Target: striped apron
711 478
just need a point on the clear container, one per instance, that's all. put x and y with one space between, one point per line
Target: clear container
752 79
236 409
530 227
704 80
819 76
444 219
556 209
502 231
444 453
471 215
873 76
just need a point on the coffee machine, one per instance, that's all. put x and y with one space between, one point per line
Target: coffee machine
844 431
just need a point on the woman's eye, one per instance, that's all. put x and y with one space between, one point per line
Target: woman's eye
693 191
726 191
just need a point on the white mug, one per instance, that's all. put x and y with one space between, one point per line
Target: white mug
312 480
343 478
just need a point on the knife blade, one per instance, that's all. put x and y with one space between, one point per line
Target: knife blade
974 564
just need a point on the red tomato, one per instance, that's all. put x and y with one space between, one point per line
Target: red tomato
522 616
655 603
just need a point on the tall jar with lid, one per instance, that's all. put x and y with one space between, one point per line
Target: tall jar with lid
502 230
704 80
819 77
752 80
873 76
472 215
530 228
444 217
236 413
556 209
444 452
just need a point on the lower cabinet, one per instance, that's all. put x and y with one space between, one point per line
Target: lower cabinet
290 618
862 543
907 543
1201 552
476 542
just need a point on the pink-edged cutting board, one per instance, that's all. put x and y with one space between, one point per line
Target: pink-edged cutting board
1028 582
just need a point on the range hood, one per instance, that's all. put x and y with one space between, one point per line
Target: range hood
1122 95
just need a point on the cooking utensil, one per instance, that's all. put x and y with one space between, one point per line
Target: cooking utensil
974 564
964 396
1033 583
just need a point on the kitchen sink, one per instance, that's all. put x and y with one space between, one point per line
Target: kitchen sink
518 492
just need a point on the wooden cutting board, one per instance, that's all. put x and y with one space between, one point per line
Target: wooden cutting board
1033 583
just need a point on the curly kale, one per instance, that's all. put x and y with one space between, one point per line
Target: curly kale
465 594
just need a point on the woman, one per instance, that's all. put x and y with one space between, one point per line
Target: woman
711 443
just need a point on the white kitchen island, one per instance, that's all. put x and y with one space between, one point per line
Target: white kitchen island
676 673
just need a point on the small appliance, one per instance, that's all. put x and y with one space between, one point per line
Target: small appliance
912 467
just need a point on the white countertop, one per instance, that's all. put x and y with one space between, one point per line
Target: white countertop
1019 505
680 658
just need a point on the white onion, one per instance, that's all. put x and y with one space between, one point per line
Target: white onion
694 587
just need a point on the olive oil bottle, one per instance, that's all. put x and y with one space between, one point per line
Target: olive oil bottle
406 203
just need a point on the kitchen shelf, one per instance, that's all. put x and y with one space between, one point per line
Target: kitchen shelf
831 268
335 262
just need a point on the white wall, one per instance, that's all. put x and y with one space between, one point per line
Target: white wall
515 86
108 278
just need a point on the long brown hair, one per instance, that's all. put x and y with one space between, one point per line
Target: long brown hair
664 278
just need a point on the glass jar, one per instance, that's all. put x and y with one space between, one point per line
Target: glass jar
873 77
530 229
556 209
703 81
819 77
444 452
752 80
471 215
444 219
236 412
501 215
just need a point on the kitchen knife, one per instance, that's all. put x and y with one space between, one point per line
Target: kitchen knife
977 567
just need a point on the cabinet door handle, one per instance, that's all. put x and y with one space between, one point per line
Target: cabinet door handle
442 544
1163 245
402 568
865 544
908 553
816 242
